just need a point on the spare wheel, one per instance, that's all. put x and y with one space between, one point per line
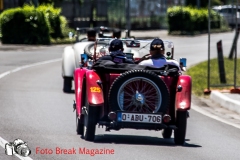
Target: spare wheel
139 91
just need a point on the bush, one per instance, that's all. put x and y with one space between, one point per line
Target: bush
190 20
64 27
53 19
24 26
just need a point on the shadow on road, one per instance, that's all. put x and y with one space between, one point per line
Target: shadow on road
138 140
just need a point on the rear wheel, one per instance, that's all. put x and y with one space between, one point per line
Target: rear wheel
167 133
67 84
90 120
79 125
181 124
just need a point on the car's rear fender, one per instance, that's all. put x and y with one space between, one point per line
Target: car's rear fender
183 94
68 62
94 90
79 75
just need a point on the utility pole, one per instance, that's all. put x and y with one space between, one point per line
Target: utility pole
208 91
128 20
235 58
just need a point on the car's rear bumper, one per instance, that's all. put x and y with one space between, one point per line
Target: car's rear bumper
121 125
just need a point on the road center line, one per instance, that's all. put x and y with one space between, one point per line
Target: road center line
27 66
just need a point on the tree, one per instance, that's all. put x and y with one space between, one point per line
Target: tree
48 1
204 3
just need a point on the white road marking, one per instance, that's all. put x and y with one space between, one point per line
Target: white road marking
3 141
200 110
27 66
2 144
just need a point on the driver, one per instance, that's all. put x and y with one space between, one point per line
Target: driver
116 53
116 33
157 58
91 35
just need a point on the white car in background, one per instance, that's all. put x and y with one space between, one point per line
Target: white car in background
228 12
71 57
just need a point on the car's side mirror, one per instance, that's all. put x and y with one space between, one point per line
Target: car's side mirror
84 60
183 62
132 43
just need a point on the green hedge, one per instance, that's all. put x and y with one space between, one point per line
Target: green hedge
29 25
187 19
24 26
53 19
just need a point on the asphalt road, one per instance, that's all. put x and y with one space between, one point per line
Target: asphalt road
34 108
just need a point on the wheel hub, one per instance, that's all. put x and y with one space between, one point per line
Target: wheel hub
139 97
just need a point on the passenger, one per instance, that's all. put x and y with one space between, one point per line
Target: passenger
116 33
157 58
116 53
91 35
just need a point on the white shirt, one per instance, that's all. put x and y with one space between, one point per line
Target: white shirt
160 62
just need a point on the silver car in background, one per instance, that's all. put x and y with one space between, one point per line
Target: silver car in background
229 13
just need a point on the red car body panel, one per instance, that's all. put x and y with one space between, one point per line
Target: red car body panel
94 90
79 74
183 97
180 100
113 76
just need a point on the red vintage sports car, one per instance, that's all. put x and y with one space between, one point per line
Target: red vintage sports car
119 95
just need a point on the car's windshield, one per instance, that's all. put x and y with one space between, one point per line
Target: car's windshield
140 46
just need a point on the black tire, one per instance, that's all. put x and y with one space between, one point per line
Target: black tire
79 125
67 84
90 121
167 133
181 124
89 46
142 74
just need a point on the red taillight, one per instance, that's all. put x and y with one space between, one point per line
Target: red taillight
137 59
166 118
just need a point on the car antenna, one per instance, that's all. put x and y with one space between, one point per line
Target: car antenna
144 46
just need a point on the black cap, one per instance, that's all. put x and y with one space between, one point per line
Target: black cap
157 44
91 32
116 33
115 45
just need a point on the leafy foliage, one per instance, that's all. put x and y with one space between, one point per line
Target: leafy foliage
24 26
52 16
48 1
30 25
190 20
203 3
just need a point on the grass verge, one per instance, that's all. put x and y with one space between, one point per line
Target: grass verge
199 75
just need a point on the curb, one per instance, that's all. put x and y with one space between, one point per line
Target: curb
226 102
